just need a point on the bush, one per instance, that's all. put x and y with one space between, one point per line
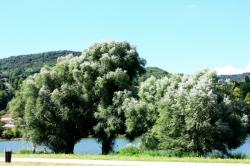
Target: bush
24 151
175 153
220 155
1 127
136 151
237 156
8 134
130 150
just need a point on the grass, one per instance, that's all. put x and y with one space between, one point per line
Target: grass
36 164
133 158
132 153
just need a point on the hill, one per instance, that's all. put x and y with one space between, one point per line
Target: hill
153 71
15 69
25 65
235 77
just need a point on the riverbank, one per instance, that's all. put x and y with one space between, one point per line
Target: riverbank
131 158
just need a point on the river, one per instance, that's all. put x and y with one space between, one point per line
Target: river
91 146
85 146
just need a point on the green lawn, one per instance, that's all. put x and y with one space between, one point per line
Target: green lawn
135 158
37 164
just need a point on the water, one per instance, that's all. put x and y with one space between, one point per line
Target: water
91 146
85 146
245 148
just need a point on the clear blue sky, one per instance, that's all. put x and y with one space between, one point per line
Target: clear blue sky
176 35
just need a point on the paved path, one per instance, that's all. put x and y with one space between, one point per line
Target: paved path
116 162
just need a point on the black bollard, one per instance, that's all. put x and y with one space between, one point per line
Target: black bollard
8 156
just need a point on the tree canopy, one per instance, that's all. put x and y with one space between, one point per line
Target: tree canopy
78 97
193 113
106 92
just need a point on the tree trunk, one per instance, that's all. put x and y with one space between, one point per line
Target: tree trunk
69 149
107 146
66 149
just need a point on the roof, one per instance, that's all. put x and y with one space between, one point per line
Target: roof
6 118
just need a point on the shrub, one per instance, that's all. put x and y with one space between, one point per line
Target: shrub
237 156
130 150
25 151
8 134
175 153
136 151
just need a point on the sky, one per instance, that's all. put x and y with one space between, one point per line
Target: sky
180 36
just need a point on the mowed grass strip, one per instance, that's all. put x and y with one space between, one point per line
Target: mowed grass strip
132 158
38 164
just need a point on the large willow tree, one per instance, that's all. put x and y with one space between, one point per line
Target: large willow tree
52 109
78 97
108 71
192 113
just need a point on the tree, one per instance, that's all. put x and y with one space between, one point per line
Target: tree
195 113
247 79
244 88
141 112
2 86
247 98
5 97
78 97
109 69
51 108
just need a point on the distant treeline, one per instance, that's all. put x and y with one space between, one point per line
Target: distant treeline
236 77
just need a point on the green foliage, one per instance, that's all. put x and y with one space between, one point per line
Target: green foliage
200 119
2 86
25 65
142 113
236 77
242 92
51 109
78 97
247 79
8 134
110 69
247 98
5 97
219 155
237 156
245 88
153 71
1 128
97 94
190 113
25 151
131 150
14 70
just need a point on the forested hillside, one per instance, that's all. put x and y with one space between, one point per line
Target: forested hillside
25 65
153 71
15 69
236 77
